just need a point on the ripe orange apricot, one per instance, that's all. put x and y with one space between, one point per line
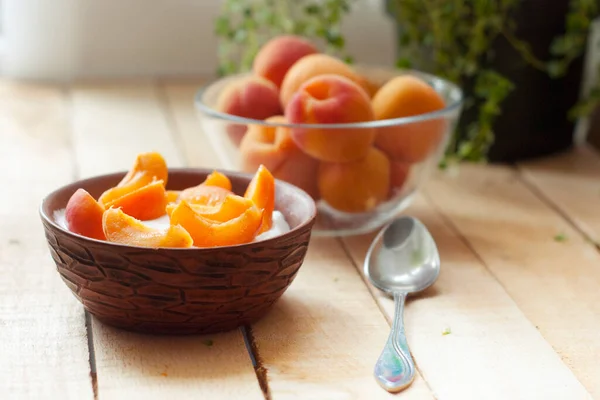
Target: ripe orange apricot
83 215
204 194
124 229
405 96
275 57
356 186
261 190
250 97
310 66
173 195
330 99
276 150
147 168
216 178
209 233
145 203
399 173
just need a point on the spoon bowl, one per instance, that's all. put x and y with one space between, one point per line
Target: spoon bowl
403 259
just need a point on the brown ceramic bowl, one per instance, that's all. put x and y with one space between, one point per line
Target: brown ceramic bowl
179 291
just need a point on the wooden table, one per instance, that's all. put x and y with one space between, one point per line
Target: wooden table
519 288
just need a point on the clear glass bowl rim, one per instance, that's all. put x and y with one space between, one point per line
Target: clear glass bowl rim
445 112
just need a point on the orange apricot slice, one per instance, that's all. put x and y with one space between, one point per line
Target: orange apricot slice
173 195
124 229
261 190
148 167
217 178
204 194
231 207
208 233
145 203
83 215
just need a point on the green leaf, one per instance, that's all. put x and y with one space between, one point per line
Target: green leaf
222 26
404 63
561 237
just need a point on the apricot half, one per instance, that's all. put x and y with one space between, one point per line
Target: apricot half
124 229
217 178
204 194
209 233
231 207
145 203
261 190
147 168
83 215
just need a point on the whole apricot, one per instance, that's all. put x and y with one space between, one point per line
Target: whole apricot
313 65
83 215
275 57
356 186
249 97
399 173
329 99
406 96
274 148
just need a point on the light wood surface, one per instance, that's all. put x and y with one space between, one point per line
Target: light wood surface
43 344
523 308
570 183
554 283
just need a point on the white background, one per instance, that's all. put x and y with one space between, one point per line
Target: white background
66 39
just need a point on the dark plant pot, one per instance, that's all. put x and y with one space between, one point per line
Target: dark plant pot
534 119
594 129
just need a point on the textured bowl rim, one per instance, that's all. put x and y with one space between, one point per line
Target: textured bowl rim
266 242
431 79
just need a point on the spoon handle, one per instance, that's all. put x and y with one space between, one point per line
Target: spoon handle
395 369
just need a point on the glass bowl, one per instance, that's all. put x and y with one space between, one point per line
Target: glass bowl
413 147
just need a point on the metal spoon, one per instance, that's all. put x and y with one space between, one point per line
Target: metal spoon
402 259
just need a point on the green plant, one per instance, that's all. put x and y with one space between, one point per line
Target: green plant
453 39
450 38
245 25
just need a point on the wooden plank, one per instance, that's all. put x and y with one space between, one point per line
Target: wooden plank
571 182
323 337
43 343
554 283
112 124
492 351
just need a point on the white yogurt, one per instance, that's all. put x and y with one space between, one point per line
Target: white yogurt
279 227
